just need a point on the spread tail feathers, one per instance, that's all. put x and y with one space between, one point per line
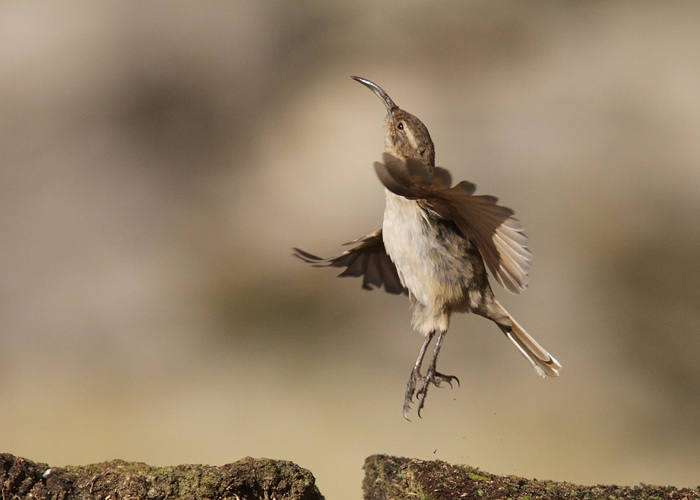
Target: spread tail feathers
544 363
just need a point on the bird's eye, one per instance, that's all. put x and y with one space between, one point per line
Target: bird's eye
400 126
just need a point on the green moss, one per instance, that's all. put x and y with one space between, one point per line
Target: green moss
403 478
477 477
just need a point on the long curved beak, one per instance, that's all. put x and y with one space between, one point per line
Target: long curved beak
390 106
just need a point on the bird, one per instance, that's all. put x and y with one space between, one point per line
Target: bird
437 244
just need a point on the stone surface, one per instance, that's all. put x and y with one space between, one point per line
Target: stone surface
404 478
246 479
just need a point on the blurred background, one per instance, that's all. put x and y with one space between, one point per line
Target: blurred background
158 161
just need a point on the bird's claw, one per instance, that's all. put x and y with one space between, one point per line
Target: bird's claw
431 377
410 391
439 377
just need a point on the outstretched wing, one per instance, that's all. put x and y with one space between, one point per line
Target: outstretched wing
491 227
367 259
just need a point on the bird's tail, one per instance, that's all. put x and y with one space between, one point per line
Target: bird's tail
544 363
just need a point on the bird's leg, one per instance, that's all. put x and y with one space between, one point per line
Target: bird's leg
432 376
415 375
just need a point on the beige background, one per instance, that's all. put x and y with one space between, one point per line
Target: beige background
160 159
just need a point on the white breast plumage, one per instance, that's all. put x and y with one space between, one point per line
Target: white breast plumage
409 245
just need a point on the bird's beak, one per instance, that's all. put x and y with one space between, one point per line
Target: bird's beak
390 106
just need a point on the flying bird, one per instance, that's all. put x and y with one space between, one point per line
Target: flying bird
437 244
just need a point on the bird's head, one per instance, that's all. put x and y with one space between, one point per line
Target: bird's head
406 136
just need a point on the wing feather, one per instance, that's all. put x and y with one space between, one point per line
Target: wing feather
367 259
492 228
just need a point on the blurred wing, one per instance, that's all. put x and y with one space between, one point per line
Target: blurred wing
491 227
411 179
498 236
367 259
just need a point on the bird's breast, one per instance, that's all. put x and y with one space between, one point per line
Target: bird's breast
431 259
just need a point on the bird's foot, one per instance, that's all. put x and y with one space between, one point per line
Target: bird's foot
410 391
440 378
436 378
431 377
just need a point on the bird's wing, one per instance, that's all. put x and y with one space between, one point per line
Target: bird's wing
368 258
491 227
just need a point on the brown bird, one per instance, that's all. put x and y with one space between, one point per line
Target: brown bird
436 244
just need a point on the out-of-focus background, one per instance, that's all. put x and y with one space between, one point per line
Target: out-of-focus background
158 161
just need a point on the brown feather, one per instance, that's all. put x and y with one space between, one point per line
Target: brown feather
491 227
368 259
